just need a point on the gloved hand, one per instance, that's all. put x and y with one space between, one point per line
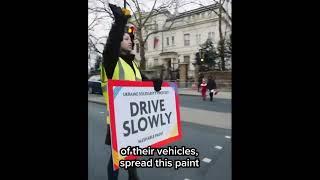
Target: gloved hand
120 14
157 84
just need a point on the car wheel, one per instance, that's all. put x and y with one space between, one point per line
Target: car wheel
90 91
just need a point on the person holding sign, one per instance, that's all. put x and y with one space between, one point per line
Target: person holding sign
119 64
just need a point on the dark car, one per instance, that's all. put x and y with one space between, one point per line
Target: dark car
94 85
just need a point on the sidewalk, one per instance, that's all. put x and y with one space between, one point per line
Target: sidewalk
182 91
194 92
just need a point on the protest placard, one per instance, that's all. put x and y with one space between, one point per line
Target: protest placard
140 116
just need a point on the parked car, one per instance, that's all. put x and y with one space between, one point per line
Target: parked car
94 85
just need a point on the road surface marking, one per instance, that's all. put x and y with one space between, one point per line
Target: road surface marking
228 137
218 147
186 179
206 160
101 112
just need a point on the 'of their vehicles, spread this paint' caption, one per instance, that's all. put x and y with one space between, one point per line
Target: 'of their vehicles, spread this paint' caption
160 162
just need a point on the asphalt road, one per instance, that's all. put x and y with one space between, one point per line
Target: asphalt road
196 102
211 143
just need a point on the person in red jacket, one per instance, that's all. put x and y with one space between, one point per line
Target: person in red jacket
203 89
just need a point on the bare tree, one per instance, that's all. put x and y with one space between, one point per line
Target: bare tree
142 22
223 17
140 18
222 37
98 11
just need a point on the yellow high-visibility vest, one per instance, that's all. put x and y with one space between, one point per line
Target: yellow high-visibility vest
122 71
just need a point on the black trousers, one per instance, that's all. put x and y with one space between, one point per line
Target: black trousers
113 175
211 96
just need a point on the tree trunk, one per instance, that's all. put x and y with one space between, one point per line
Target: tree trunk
142 51
142 57
222 56
221 42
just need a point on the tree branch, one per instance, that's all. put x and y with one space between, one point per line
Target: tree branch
225 11
134 15
150 14
93 21
213 9
155 32
228 15
93 45
138 11
103 9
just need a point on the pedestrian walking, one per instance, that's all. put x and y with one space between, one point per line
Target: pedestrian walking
203 89
212 87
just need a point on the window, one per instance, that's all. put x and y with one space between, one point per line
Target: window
146 46
202 15
137 48
167 41
172 39
155 62
155 25
198 38
186 39
211 36
186 59
155 42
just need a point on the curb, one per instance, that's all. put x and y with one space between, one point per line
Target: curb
189 95
97 102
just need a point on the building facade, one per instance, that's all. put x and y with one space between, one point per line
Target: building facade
175 48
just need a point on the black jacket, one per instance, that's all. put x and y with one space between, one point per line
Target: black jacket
211 84
111 50
111 55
